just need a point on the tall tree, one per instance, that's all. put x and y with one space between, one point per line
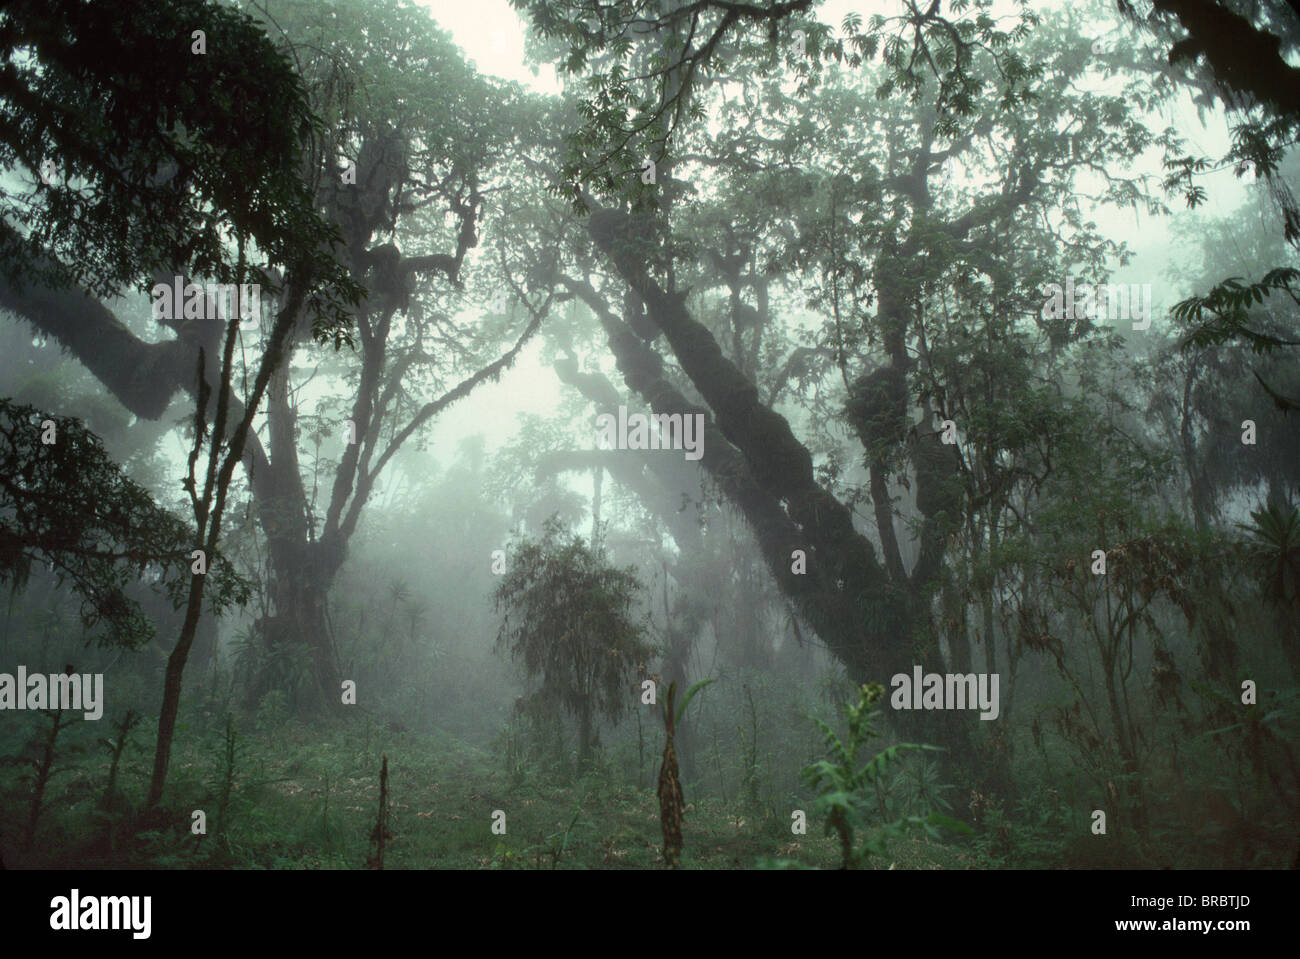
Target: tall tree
399 160
409 166
869 230
134 179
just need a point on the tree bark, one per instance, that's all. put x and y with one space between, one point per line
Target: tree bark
172 691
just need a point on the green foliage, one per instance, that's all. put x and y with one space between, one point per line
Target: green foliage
844 788
1222 314
228 761
547 852
642 71
1275 548
275 668
67 504
568 619
140 175
686 700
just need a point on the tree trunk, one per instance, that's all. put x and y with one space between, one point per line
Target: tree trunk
299 627
172 691
584 739
1132 787
873 620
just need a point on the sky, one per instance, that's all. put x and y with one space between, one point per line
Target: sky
492 36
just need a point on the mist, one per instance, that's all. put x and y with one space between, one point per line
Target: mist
651 436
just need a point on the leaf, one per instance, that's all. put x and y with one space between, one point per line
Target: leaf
690 694
877 765
947 822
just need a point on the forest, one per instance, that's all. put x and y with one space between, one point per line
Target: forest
649 434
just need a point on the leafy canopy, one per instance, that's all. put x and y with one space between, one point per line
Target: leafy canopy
132 175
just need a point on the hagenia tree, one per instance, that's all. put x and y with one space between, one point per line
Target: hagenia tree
407 174
134 180
401 161
813 187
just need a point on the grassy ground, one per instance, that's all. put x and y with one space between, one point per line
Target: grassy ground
305 798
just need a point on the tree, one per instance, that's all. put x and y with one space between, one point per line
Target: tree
200 176
568 619
849 203
648 55
409 202
398 168
1236 53
1240 55
1225 344
133 176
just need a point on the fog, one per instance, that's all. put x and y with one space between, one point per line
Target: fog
665 435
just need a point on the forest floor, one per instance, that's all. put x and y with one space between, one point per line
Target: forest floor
298 799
